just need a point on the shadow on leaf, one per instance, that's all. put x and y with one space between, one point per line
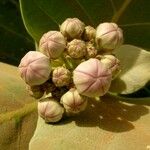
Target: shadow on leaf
109 114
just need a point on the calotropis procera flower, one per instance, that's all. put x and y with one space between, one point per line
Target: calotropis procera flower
92 78
50 110
61 76
89 33
72 28
112 63
52 44
108 36
73 102
76 48
35 68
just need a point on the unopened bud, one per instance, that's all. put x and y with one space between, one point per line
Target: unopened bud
50 110
92 78
52 44
73 102
61 76
72 28
35 68
108 36
112 63
89 33
76 48
91 50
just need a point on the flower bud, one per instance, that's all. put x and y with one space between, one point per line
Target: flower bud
52 44
72 28
112 63
108 36
92 78
35 68
50 111
89 33
35 91
91 50
73 102
76 48
61 76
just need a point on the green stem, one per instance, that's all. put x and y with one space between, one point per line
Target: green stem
68 63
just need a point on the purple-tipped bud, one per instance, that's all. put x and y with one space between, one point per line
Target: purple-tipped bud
92 78
112 63
61 76
35 68
52 44
108 36
73 102
50 111
76 48
72 28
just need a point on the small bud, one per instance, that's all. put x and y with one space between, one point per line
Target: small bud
112 63
108 36
35 91
35 68
73 102
91 50
50 111
61 76
72 28
52 44
76 48
89 33
92 78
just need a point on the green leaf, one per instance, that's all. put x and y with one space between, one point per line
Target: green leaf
18 113
14 40
40 16
106 124
135 69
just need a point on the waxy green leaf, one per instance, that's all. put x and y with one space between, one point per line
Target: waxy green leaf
18 114
135 69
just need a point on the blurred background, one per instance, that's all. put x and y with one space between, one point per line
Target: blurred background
15 41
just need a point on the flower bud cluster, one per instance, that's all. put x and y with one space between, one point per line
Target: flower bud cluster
70 67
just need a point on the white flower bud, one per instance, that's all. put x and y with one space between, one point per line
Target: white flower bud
73 102
50 111
35 68
61 76
108 36
52 44
92 78
72 28
76 48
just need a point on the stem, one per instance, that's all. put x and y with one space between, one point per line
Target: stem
119 13
68 63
